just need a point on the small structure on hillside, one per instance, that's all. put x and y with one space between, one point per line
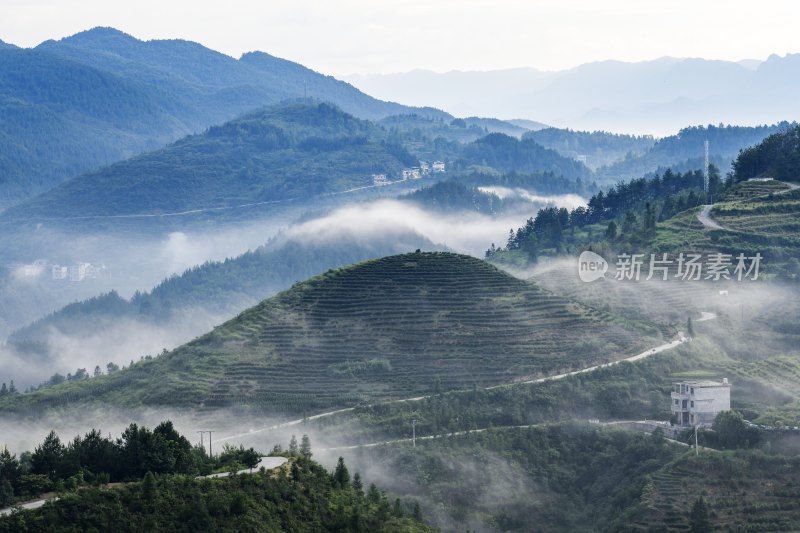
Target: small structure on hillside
697 403
411 173
437 166
379 179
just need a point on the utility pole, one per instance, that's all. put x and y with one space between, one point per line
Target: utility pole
696 451
202 444
705 174
413 432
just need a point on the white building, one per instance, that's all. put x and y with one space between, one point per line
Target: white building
77 271
425 168
35 269
697 403
437 166
95 271
379 179
60 272
411 173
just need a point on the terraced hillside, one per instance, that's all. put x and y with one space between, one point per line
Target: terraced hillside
744 491
755 217
395 327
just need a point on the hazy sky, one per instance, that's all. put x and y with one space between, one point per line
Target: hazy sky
363 36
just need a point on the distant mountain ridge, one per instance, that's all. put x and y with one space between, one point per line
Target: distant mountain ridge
101 96
658 96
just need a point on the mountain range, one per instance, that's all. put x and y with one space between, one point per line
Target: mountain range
103 96
656 97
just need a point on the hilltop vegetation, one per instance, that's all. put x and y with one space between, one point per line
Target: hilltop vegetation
777 156
162 494
399 326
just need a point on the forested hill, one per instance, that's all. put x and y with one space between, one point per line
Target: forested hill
287 152
684 151
778 156
277 154
395 327
599 148
100 96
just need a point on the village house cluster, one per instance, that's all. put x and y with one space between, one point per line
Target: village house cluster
75 272
413 173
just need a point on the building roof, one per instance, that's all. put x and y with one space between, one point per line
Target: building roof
706 383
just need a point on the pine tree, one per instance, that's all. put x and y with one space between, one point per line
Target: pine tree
3 390
690 328
305 447
12 389
699 521
358 485
293 445
417 513
341 476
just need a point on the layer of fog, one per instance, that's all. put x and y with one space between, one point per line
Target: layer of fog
466 232
570 201
116 340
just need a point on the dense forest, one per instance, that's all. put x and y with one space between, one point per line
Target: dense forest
684 151
155 489
630 209
599 148
777 156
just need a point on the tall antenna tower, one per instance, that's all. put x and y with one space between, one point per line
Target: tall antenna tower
705 172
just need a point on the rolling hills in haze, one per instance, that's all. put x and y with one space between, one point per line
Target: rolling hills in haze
101 95
389 328
279 154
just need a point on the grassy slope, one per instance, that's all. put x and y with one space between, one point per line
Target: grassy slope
389 328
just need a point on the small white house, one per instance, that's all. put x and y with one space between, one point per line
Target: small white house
437 166
697 403
411 174
60 272
77 271
379 179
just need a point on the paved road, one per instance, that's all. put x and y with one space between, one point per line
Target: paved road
35 504
481 430
269 463
705 219
704 216
647 353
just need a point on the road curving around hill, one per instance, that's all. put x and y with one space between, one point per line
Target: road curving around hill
704 316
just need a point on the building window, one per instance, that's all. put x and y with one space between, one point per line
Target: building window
691 390
676 402
692 404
